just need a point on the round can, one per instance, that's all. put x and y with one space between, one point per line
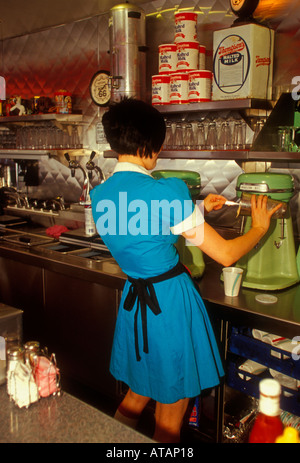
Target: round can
161 89
63 102
187 56
167 58
202 54
179 82
200 83
185 26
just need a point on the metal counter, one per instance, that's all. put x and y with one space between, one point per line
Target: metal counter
282 318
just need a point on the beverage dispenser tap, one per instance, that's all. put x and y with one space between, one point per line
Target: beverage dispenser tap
73 164
90 166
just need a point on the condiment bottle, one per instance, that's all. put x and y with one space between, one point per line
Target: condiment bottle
268 425
32 350
15 355
289 436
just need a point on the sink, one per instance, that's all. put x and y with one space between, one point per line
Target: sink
78 251
64 248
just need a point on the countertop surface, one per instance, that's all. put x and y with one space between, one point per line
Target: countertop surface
281 318
61 419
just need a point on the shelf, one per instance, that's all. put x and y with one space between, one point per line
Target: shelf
42 118
244 155
24 154
223 105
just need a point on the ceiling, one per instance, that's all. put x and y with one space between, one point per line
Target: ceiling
17 19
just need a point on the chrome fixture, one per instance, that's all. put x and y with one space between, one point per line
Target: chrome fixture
73 164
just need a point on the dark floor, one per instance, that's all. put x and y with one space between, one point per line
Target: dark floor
189 433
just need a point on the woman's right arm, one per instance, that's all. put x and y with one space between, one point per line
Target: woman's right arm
227 252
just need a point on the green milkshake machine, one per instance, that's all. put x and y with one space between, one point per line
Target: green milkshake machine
190 256
272 264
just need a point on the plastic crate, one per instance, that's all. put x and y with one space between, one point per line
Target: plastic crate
289 400
244 346
242 343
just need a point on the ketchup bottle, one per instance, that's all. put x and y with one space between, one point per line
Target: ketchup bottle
268 425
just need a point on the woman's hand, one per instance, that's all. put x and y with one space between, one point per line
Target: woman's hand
261 216
213 202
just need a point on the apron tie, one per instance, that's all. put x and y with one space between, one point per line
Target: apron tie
142 291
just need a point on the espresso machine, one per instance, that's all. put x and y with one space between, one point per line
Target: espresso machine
190 256
272 264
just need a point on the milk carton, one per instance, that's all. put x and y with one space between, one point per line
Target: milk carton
243 62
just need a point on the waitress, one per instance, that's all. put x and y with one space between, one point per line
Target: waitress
164 346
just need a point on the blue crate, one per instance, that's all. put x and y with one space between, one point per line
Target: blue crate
290 403
242 343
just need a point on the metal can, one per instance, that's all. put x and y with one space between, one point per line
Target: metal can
179 88
185 26
167 58
63 102
161 89
187 56
200 84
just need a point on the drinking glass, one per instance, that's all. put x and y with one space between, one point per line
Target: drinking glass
239 135
189 143
168 138
211 141
179 139
225 137
201 141
284 138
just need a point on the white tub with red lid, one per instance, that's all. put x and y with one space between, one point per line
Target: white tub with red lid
187 56
161 89
185 26
179 88
167 56
200 84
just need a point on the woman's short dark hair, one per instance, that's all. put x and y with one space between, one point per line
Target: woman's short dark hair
134 127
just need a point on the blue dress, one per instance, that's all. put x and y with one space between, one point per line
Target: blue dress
132 216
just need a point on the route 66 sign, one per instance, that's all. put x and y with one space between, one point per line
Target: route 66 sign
100 90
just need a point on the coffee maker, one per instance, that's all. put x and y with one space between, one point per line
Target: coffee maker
272 264
190 256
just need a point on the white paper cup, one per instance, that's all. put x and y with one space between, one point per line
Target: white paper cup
232 280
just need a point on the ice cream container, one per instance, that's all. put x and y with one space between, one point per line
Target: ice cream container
185 26
161 89
167 58
199 87
179 82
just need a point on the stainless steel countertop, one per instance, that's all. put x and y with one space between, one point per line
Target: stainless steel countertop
61 419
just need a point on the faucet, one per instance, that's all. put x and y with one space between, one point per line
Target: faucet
90 165
21 200
73 164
